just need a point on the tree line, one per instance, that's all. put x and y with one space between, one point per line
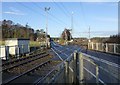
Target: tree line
12 30
114 39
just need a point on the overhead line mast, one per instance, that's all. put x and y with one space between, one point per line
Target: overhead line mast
89 34
72 22
46 10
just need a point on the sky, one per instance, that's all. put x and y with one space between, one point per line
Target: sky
100 17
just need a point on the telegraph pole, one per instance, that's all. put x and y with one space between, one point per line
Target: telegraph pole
88 40
46 10
89 34
71 24
27 30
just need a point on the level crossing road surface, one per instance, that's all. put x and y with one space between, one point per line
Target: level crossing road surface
109 65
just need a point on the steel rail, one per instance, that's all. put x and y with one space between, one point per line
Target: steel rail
17 60
25 62
40 80
34 68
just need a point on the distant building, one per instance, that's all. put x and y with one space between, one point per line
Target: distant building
17 46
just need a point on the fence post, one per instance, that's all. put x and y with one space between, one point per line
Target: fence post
15 50
97 46
75 66
81 68
97 75
22 49
7 52
66 72
88 45
92 45
102 47
18 52
114 48
106 47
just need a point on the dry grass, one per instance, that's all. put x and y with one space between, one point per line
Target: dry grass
61 42
2 42
35 43
32 43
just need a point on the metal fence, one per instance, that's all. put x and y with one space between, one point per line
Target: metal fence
65 72
88 70
105 47
99 70
83 68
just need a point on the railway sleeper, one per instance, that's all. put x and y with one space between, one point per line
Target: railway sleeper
23 63
16 60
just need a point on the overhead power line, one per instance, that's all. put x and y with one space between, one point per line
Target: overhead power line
60 7
68 12
39 13
83 14
54 17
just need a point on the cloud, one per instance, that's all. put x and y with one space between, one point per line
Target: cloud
14 11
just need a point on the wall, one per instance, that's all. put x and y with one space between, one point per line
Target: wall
17 46
4 52
23 46
11 44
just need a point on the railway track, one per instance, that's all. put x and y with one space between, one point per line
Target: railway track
23 62
27 69
30 55
11 64
32 75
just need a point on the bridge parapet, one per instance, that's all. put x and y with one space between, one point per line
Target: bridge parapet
105 47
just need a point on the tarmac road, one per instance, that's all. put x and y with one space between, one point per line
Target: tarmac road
109 65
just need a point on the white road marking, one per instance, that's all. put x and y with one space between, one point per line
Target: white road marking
114 75
57 54
102 60
93 75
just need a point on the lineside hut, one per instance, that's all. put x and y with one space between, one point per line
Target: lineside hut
17 46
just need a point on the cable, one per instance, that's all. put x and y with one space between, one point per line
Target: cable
58 5
30 8
57 19
36 12
83 14
64 7
69 14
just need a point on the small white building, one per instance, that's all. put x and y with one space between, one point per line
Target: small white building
17 46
